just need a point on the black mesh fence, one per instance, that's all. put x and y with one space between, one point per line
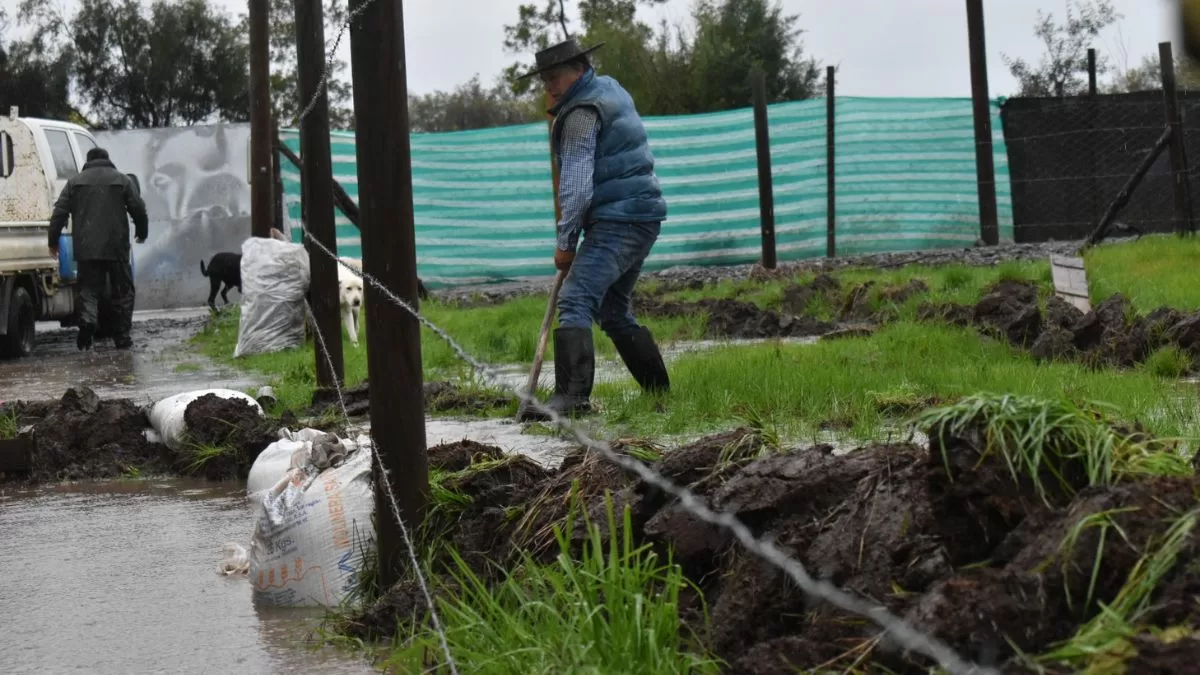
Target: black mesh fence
1068 159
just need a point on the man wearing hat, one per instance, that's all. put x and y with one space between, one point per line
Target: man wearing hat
609 195
97 200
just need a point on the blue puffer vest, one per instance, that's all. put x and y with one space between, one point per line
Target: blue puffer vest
626 189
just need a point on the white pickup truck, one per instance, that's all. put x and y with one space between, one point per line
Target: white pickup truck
37 157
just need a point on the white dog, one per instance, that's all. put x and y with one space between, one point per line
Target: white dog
350 296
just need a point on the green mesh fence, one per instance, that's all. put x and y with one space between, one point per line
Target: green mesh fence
905 181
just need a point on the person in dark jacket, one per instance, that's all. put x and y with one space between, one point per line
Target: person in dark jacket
97 200
609 193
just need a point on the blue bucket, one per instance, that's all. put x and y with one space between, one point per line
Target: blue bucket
66 259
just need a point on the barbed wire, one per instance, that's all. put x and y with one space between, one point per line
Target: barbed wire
331 56
391 495
904 634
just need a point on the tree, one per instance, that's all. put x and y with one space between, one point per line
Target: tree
39 87
1063 70
471 106
1148 76
736 36
182 62
285 83
667 71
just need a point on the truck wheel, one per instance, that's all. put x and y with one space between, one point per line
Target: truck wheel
19 340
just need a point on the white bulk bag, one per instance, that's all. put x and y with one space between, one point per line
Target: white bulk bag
275 277
314 531
166 416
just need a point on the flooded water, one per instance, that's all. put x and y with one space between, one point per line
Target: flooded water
160 364
122 578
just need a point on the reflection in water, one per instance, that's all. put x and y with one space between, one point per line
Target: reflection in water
122 578
160 364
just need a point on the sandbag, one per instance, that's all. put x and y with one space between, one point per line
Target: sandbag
275 277
313 532
234 559
291 450
166 416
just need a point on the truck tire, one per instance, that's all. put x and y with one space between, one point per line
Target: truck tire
18 342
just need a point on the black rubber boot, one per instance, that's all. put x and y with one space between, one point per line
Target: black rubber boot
641 356
84 340
574 374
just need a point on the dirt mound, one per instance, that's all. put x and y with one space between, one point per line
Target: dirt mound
440 397
736 319
1110 335
231 434
80 436
943 535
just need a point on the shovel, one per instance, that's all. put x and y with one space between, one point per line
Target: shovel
543 338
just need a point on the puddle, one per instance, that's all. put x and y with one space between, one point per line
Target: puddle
122 578
160 364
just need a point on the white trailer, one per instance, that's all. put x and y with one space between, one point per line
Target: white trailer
37 157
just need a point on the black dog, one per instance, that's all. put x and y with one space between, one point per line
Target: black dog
223 268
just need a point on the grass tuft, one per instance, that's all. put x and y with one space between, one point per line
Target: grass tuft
1169 362
9 425
613 610
1076 446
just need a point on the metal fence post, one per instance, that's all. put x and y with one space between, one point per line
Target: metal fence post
1179 178
830 166
985 169
762 146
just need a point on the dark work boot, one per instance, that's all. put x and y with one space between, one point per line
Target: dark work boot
84 340
574 374
123 342
642 358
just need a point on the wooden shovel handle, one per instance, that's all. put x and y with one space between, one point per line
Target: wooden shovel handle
544 337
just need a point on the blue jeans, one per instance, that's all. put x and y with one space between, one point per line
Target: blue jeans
599 286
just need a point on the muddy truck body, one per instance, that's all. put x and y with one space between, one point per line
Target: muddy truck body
37 157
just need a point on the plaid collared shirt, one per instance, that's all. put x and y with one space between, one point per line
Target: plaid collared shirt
575 177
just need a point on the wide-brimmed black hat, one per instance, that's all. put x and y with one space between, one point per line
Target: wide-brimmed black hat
556 55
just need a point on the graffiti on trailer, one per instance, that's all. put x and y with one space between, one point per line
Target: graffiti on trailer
194 182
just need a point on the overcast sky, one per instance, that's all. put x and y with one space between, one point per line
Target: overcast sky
883 47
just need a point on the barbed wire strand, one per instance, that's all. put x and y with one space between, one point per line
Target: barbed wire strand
331 56
391 496
904 634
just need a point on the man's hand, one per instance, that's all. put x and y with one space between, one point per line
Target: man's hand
563 259
53 251
140 240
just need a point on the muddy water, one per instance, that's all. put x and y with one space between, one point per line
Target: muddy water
122 578
160 364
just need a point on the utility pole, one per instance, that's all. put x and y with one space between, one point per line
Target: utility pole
317 187
389 255
985 163
261 137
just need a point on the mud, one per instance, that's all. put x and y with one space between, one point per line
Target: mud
958 547
688 277
1112 334
440 397
82 436
235 426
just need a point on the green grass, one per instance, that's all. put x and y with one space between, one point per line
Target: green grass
8 425
1039 437
1169 362
951 283
1155 271
855 383
613 609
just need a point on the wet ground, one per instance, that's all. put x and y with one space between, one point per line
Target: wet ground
160 364
122 577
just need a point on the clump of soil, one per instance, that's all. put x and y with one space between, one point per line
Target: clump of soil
440 397
942 535
81 436
1110 335
231 425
